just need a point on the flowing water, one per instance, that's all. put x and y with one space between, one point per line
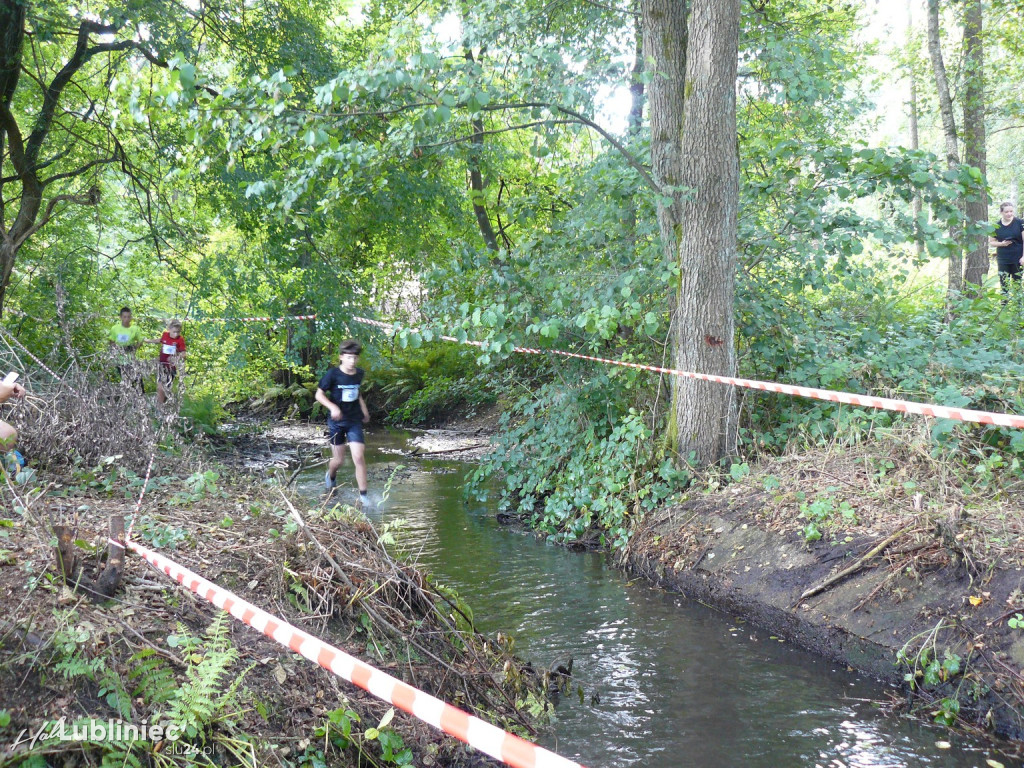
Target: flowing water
666 681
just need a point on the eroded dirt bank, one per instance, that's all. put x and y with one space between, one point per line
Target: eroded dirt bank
155 652
896 587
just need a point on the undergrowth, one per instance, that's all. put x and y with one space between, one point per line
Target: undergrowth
582 458
578 464
418 387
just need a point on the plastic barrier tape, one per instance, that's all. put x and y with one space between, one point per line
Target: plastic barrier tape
489 739
832 396
251 319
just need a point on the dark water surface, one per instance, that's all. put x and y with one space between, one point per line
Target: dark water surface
667 682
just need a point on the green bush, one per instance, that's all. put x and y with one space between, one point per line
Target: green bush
863 327
203 414
576 461
420 386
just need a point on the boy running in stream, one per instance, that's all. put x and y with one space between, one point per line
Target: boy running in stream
338 392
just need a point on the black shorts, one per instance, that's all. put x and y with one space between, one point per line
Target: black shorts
341 432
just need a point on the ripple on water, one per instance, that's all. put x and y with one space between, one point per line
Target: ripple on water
666 682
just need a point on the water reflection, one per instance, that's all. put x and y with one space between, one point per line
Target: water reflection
666 682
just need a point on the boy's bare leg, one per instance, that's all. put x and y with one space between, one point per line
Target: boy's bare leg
337 460
359 459
8 437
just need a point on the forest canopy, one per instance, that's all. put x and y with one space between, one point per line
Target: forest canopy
702 185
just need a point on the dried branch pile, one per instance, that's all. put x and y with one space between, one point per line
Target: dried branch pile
81 417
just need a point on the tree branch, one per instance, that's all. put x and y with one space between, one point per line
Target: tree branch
14 140
523 126
83 53
82 169
91 197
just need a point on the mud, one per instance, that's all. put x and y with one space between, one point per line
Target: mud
721 552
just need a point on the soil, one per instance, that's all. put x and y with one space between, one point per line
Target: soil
923 581
59 649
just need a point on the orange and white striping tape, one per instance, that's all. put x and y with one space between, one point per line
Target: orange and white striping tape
508 748
829 395
251 319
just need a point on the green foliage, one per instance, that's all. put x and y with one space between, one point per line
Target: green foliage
73 658
423 384
948 711
928 669
106 476
160 535
393 749
203 414
823 514
198 486
338 727
338 732
152 676
867 327
575 461
209 693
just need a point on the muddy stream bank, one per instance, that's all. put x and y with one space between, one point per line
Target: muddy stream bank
658 679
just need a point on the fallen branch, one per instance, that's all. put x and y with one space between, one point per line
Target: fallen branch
417 452
861 562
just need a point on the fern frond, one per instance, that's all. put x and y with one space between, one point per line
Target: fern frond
77 665
156 683
199 702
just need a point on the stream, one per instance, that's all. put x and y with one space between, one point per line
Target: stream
666 681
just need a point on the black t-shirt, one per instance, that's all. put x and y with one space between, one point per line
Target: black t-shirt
342 389
1014 232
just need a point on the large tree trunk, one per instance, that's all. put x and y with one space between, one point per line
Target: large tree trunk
915 136
705 414
663 25
955 282
12 35
974 137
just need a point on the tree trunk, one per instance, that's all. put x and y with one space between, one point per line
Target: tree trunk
635 121
974 137
705 414
20 153
476 187
476 179
663 32
915 136
12 35
955 282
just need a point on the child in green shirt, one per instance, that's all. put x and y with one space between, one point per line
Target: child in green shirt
123 334
124 339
